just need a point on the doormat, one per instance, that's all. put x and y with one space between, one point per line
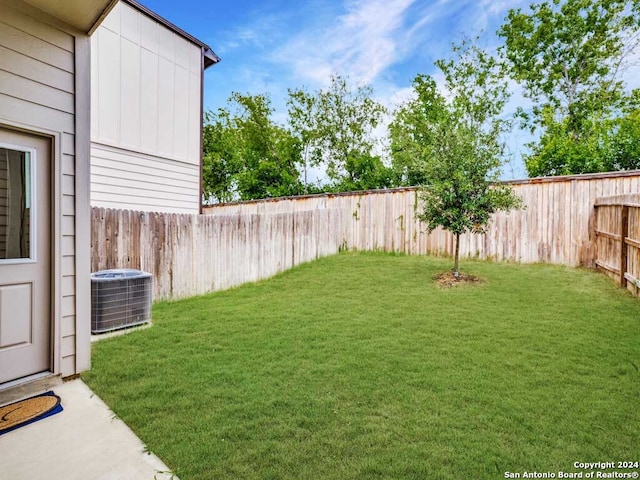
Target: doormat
27 411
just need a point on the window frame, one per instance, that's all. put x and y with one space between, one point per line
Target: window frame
33 209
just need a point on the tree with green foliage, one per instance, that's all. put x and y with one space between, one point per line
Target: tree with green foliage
365 172
569 56
625 153
304 124
335 127
247 155
219 165
603 144
455 144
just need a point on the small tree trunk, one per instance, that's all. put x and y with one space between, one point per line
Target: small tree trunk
306 185
456 272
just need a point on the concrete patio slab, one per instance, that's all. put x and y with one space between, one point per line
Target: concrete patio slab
84 442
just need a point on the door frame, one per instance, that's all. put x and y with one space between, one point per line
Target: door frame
55 178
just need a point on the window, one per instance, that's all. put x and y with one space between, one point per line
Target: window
16 200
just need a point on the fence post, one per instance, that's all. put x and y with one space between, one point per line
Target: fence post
624 231
592 256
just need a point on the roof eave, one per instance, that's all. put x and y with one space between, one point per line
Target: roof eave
210 57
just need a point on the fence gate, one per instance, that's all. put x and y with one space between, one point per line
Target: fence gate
617 236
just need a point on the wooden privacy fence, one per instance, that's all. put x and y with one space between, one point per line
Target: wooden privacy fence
195 254
617 234
236 243
553 227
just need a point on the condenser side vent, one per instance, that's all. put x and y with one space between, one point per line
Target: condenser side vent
120 298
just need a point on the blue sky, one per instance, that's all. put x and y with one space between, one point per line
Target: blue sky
269 46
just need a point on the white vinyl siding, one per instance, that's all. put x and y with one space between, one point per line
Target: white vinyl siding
37 92
135 181
146 83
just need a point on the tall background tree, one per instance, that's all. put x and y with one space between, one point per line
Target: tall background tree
335 125
246 154
219 158
329 133
569 57
304 124
454 145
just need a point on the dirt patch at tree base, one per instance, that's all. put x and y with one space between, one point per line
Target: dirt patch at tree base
448 280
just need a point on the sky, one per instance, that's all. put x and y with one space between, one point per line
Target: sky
272 45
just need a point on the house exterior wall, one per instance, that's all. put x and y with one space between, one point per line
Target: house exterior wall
145 122
42 63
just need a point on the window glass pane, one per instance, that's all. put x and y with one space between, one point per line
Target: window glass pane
15 204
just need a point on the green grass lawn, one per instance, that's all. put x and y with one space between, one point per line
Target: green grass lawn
358 366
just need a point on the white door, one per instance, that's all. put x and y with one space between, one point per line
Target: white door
25 249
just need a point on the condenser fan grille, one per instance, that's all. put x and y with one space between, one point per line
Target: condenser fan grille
120 298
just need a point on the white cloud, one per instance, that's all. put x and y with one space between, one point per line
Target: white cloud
501 7
400 96
362 43
260 32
